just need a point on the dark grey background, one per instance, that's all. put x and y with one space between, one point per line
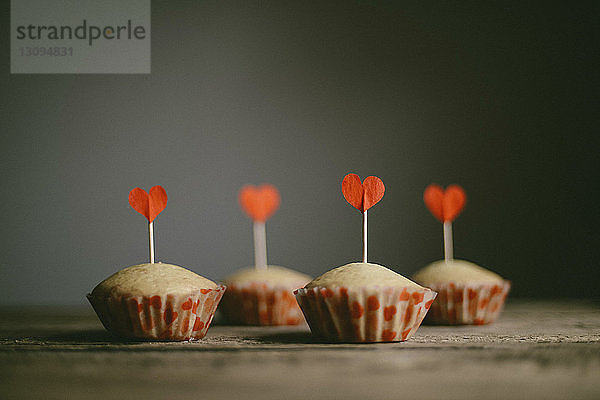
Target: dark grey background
502 99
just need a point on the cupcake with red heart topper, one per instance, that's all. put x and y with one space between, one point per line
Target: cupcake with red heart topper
155 301
468 293
362 301
262 294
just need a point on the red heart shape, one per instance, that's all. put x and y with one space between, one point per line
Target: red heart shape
365 195
259 202
445 205
149 205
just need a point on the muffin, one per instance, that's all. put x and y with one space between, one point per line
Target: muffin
263 296
467 293
364 302
156 302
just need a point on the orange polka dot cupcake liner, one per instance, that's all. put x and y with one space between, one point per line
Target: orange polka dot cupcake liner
166 318
368 314
260 304
467 304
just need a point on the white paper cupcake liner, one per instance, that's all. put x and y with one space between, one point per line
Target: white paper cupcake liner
259 303
166 317
467 304
366 314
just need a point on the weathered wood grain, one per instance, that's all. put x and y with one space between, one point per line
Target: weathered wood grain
547 350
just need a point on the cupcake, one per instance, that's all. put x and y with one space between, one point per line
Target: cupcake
262 294
364 302
467 293
155 301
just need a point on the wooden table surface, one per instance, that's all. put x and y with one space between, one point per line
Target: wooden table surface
546 350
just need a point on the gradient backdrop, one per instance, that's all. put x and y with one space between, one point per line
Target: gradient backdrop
502 99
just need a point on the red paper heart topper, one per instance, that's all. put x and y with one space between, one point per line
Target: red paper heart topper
445 205
365 195
259 202
149 205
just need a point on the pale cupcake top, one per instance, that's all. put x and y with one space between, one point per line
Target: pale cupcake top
273 274
361 274
457 271
152 279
